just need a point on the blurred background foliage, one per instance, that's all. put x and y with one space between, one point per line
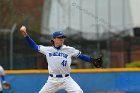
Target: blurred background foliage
134 64
22 12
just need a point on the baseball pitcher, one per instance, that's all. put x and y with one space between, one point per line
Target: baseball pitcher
59 58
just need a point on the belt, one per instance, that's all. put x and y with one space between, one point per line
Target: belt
60 75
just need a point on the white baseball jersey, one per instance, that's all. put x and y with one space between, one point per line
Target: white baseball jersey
59 60
1 73
1 70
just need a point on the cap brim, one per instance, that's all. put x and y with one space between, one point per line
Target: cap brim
61 36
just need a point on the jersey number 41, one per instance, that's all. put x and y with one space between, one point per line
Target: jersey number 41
64 63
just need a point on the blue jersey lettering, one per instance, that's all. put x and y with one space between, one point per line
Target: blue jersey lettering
58 54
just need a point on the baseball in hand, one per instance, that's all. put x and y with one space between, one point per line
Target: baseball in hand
23 31
23 28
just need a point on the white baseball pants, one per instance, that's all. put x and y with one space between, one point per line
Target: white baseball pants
54 84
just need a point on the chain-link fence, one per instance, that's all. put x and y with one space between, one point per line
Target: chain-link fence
122 50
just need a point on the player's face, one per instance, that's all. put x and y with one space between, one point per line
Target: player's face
58 41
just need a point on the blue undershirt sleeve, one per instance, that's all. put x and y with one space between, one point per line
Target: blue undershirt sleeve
2 77
31 43
85 58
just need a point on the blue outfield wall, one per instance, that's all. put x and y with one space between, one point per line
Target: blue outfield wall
91 81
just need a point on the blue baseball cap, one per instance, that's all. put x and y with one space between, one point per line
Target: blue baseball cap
58 34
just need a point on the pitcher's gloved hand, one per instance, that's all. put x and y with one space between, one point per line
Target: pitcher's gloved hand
97 62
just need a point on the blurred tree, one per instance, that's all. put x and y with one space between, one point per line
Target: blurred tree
133 64
27 12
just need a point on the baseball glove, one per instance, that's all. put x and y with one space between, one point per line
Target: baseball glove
6 85
97 62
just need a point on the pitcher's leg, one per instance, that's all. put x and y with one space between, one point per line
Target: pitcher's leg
49 87
72 87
